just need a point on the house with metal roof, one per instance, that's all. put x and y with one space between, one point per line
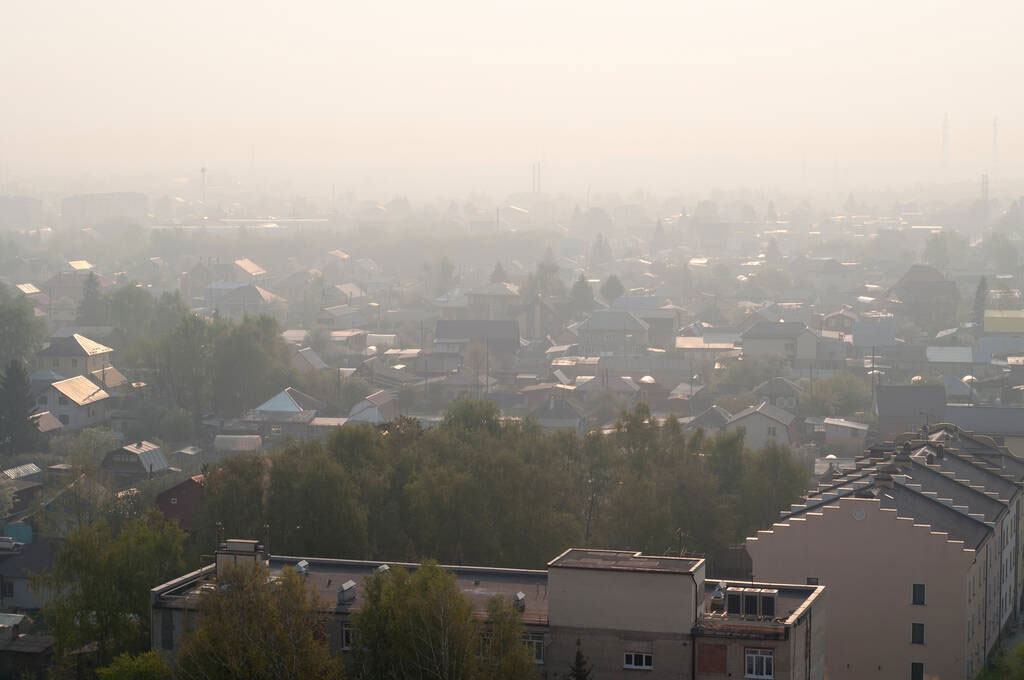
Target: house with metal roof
134 463
73 355
764 424
76 402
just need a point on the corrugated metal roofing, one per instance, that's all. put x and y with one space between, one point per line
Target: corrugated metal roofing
22 471
80 390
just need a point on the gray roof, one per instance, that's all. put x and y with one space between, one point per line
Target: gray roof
150 455
614 320
972 472
764 408
624 560
712 418
772 330
911 402
998 421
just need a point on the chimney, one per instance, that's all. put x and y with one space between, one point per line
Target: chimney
940 451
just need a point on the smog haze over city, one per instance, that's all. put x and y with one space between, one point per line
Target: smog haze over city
511 341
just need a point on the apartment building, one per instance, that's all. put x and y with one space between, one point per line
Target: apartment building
630 612
918 544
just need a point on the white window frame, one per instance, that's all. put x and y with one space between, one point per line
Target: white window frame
535 643
348 636
638 660
765 670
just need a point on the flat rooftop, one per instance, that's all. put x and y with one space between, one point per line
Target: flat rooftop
624 560
325 576
791 601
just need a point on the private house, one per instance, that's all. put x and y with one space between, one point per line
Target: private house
76 402
239 301
608 332
248 271
698 350
711 420
841 321
837 435
927 297
792 341
500 337
379 407
493 302
630 612
306 360
780 392
341 318
556 413
764 424
18 562
181 501
134 463
289 412
74 355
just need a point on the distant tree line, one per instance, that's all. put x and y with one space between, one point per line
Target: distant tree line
479 490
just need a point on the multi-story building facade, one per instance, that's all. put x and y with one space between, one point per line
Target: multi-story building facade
630 612
926 530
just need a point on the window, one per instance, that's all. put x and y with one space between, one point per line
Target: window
917 671
917 633
56 363
62 400
8 588
760 664
918 593
74 363
771 430
535 643
348 636
42 400
638 660
174 500
63 419
812 580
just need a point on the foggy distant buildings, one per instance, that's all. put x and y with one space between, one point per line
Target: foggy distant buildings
88 210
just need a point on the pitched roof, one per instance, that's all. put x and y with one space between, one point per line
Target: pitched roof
309 355
614 320
250 267
22 471
775 330
290 400
108 376
712 418
764 408
476 329
499 288
46 422
149 454
74 345
80 390
778 386
998 421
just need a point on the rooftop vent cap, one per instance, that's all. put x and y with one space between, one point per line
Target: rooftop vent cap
519 599
347 592
302 567
383 569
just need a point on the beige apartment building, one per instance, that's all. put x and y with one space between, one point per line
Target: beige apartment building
633 614
918 544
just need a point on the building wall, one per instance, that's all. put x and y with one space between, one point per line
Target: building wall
605 649
758 434
616 600
77 416
69 367
869 567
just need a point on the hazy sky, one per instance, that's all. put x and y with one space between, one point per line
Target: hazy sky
643 93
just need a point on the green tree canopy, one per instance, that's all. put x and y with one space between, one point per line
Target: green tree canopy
98 589
612 289
17 432
252 627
